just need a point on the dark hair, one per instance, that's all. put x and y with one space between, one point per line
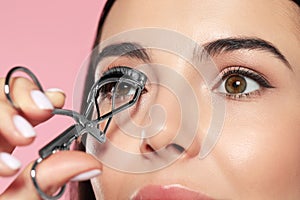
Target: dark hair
92 67
84 190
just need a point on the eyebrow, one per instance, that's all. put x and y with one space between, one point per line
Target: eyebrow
219 46
127 49
214 48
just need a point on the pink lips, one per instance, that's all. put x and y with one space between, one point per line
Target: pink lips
171 192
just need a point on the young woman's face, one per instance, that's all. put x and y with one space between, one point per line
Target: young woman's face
258 153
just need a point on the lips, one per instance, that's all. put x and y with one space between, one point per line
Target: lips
169 192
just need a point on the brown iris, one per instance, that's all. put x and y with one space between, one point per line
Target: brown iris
123 89
235 84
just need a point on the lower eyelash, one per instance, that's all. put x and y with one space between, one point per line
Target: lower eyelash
244 96
246 72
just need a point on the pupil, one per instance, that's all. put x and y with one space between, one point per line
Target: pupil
235 84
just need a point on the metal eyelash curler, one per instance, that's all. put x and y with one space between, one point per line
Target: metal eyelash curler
118 80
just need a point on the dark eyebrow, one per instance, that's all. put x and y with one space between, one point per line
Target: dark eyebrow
232 44
127 49
135 50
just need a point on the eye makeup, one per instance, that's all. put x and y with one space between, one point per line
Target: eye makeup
120 72
240 83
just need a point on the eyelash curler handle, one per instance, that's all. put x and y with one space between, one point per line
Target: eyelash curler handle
61 142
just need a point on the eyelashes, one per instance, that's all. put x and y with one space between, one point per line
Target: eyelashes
122 80
117 71
237 82
234 82
248 73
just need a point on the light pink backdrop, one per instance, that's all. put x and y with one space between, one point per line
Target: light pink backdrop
52 38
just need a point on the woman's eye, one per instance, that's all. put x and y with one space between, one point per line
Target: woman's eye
237 84
119 90
124 89
240 82
106 90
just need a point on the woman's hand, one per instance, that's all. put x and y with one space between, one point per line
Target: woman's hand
16 129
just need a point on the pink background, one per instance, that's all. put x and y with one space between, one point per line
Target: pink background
52 38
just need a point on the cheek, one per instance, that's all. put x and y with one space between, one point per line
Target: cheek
111 184
260 147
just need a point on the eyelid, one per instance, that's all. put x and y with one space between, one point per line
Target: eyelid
241 70
261 82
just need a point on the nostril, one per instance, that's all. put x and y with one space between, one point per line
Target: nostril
179 149
149 148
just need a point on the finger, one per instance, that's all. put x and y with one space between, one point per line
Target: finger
5 146
15 130
35 105
26 95
56 96
52 173
9 165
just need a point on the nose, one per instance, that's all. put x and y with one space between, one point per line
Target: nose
182 131
165 141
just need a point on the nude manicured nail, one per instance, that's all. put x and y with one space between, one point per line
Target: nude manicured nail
10 161
23 126
41 100
87 175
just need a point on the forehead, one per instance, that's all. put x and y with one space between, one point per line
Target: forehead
205 20
200 16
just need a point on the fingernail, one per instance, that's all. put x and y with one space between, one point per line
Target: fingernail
41 100
23 126
55 90
87 175
10 161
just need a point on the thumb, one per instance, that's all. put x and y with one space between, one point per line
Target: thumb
52 174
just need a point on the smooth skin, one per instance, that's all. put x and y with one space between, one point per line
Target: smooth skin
258 155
